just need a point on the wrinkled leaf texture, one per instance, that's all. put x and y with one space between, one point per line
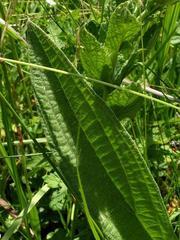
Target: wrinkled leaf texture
120 192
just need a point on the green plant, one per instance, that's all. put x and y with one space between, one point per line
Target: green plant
94 153
99 58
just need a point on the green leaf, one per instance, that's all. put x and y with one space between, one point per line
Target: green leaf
125 104
58 199
123 26
120 193
6 27
59 196
58 121
17 222
95 57
53 180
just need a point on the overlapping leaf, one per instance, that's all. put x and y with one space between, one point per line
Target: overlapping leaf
100 59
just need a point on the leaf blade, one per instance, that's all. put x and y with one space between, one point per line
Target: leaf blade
112 158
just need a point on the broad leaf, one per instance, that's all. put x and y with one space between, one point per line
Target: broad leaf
123 26
120 193
95 57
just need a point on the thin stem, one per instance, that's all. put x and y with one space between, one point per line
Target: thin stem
88 79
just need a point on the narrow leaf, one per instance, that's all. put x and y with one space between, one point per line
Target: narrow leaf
6 27
17 222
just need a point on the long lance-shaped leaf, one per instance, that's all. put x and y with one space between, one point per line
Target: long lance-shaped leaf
121 194
58 120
